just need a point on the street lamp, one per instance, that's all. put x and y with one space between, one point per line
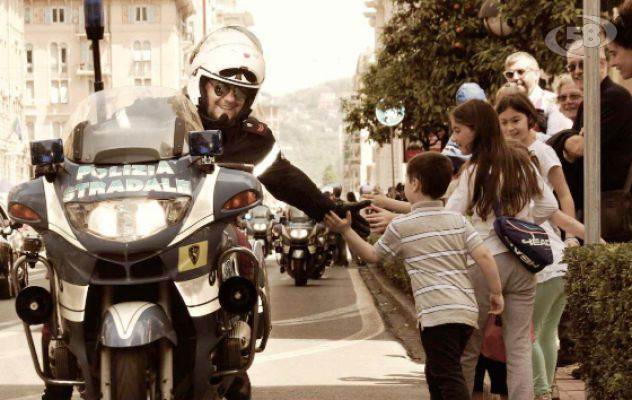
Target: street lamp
493 20
390 117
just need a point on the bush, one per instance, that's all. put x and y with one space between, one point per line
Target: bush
599 288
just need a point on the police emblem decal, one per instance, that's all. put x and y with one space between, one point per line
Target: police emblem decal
194 253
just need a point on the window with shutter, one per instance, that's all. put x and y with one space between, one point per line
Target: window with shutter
63 92
30 92
54 57
54 92
63 57
48 15
29 58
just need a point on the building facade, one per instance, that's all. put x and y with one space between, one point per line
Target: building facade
366 162
144 44
13 140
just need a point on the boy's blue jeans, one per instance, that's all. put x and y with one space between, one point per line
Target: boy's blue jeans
444 345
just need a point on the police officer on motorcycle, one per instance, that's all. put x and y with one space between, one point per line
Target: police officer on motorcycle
226 71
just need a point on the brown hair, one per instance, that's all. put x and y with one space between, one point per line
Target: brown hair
623 23
521 103
504 172
434 172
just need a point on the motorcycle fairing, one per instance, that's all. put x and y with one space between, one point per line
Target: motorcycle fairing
72 300
199 295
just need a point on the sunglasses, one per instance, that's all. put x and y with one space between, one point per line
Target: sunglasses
222 89
518 73
563 97
571 67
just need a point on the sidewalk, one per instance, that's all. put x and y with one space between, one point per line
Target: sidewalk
570 388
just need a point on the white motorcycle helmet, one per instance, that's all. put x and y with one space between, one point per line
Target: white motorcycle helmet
230 54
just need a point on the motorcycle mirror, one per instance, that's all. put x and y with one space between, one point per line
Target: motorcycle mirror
47 152
93 13
205 143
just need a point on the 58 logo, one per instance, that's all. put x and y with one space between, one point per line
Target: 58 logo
596 33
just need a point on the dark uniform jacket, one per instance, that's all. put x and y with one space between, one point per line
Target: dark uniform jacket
251 141
616 142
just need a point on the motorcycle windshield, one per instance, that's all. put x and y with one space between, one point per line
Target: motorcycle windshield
296 215
133 124
260 212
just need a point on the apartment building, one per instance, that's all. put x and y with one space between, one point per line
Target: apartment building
13 140
144 44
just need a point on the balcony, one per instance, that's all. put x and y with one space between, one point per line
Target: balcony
87 69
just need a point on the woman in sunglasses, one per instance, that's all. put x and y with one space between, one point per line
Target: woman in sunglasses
569 98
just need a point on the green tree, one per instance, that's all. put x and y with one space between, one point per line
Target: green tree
329 175
430 47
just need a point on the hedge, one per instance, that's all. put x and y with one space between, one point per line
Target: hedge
599 288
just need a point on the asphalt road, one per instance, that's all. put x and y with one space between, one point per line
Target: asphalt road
328 343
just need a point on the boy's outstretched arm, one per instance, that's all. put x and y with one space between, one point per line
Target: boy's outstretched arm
355 242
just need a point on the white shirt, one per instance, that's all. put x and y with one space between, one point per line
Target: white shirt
547 101
548 159
538 210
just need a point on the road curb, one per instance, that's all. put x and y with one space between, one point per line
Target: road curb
403 303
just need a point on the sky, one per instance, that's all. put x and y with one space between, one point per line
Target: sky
307 42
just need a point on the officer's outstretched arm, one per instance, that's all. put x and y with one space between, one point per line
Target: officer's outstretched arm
291 185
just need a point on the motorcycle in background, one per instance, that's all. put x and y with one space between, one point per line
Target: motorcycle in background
259 227
297 245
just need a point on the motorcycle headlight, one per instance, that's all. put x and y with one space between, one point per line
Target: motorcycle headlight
127 220
298 233
259 227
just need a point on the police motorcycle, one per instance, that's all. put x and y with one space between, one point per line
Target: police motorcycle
259 227
324 252
150 296
298 246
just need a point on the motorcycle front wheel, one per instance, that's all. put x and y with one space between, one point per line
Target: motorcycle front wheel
300 276
129 373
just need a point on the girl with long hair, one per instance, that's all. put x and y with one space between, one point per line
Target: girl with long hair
501 175
517 116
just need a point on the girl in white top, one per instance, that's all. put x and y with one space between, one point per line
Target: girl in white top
517 115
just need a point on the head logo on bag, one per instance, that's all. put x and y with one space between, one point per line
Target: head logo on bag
529 242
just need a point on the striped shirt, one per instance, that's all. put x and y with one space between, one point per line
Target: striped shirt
434 244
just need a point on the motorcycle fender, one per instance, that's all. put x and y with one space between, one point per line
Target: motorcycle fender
135 323
311 249
298 253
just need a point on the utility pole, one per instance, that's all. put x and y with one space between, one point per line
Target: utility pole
592 131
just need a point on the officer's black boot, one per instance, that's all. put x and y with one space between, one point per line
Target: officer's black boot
53 392
240 389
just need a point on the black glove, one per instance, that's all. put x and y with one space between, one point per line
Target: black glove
358 223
